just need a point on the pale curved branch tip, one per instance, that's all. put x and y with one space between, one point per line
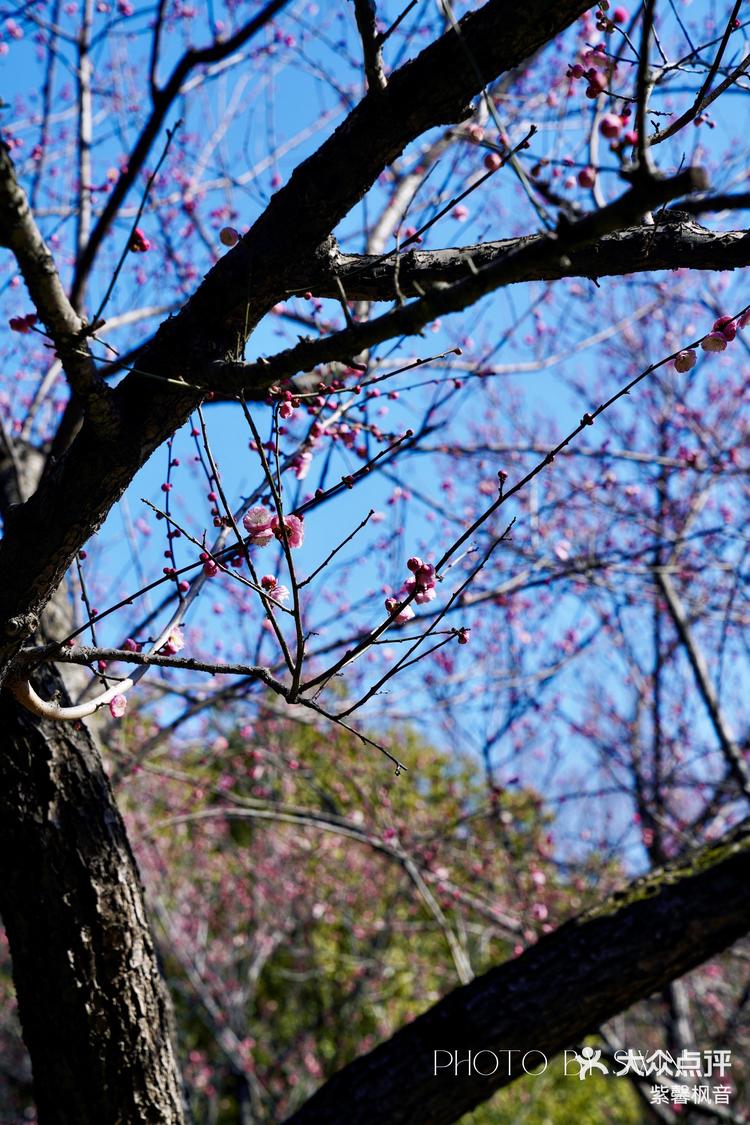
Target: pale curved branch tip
47 709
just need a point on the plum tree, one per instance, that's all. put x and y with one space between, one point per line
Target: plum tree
576 609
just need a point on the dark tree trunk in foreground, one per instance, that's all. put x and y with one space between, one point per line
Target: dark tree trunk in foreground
558 991
92 1003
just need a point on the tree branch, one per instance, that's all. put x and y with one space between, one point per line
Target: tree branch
546 251
705 95
732 752
370 277
367 26
20 234
722 201
79 489
162 99
550 997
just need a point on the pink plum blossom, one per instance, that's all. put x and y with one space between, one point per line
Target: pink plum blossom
714 342
403 615
685 360
174 642
726 326
139 244
118 706
295 530
258 522
610 125
301 464
274 589
597 83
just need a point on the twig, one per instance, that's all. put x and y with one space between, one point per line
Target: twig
455 595
164 100
367 25
85 71
643 88
702 103
399 19
170 134
337 548
296 668
732 752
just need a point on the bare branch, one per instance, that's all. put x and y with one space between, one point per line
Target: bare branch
163 100
732 752
19 233
703 97
406 320
702 103
638 249
367 25
85 137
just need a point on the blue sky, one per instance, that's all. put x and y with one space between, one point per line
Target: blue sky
301 95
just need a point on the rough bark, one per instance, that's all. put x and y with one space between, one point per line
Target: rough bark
534 254
550 997
92 1003
639 249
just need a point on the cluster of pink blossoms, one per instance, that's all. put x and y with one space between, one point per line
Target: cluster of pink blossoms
139 244
287 407
722 333
421 585
262 526
23 324
588 68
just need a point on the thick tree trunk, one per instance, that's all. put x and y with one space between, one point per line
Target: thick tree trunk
550 997
93 1006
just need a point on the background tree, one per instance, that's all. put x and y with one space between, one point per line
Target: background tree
397 535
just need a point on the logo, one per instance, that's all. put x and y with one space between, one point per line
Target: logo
680 1079
588 1061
